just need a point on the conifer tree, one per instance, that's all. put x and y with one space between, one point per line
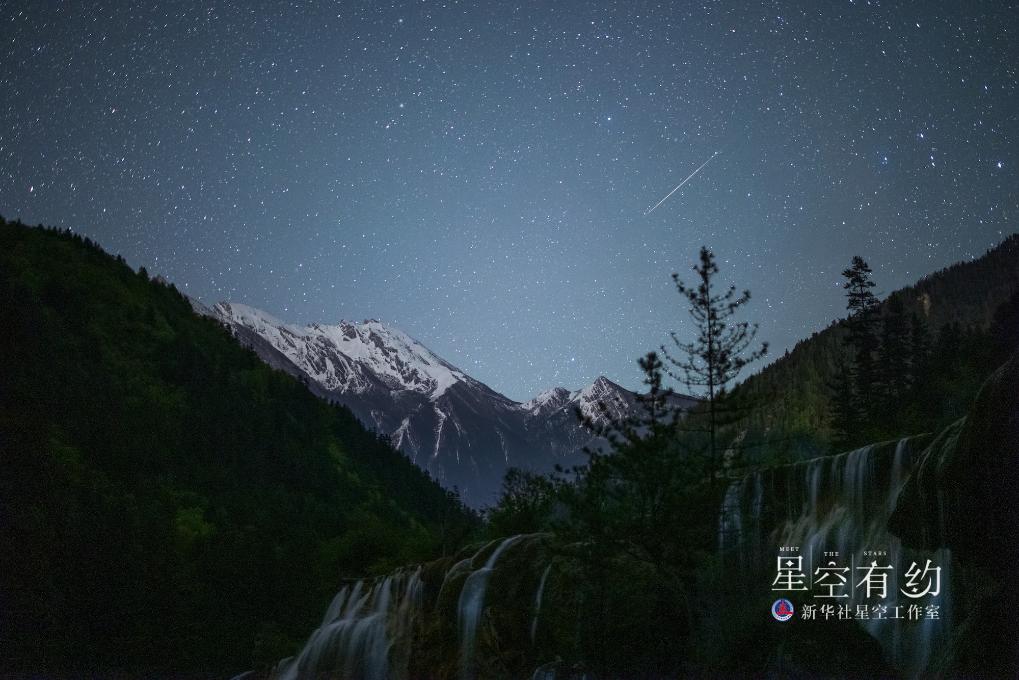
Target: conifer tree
655 419
720 350
627 498
636 519
863 306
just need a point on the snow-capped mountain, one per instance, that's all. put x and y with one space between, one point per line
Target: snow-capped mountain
460 430
352 357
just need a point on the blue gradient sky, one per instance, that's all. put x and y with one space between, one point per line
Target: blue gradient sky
478 173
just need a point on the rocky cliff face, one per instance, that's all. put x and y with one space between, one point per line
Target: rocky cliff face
457 428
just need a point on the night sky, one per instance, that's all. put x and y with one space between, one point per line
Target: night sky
478 173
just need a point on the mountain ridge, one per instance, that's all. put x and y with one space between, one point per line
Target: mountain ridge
459 429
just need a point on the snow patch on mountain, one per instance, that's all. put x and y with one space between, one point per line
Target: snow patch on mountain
461 431
603 399
549 400
350 357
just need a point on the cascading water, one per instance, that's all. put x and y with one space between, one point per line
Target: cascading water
382 628
471 604
839 503
730 519
738 531
537 602
365 635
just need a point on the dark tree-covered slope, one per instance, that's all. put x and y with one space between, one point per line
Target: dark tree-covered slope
167 501
956 306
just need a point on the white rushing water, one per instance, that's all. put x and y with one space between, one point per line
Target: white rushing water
471 604
369 628
365 635
839 503
537 602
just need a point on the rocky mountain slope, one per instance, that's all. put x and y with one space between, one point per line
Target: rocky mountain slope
461 431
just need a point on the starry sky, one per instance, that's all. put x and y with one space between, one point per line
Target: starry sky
478 173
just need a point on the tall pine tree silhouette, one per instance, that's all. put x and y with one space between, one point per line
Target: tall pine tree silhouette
863 307
720 351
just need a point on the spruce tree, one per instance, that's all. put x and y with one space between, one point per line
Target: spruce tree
633 497
720 350
863 306
655 419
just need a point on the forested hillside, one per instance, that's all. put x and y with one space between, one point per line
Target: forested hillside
167 500
950 329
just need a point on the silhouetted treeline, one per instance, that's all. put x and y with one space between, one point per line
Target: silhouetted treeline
934 344
169 502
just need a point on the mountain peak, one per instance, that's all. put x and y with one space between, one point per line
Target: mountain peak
550 399
350 356
465 437
599 389
603 400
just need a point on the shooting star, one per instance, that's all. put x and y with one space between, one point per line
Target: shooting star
680 185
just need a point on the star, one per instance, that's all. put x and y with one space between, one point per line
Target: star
502 158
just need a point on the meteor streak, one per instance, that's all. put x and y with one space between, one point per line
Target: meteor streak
679 186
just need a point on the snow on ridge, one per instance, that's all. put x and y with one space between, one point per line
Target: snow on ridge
585 398
251 317
602 391
352 356
555 396
333 354
391 352
601 387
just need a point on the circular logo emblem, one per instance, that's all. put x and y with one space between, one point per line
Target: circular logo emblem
782 610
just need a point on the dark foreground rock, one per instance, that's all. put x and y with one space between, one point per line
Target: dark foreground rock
967 483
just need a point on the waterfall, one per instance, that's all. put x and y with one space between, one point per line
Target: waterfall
738 531
366 633
838 503
730 520
371 626
471 604
537 602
